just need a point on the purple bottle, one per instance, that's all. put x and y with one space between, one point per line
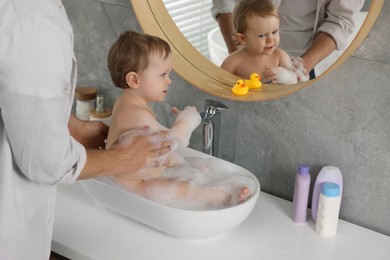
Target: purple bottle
301 194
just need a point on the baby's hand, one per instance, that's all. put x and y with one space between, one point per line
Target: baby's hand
270 75
280 75
186 122
190 115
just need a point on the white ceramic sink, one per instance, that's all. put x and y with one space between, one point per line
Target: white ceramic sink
179 223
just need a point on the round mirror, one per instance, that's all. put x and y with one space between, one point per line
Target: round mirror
208 77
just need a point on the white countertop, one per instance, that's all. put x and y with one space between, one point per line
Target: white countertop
85 230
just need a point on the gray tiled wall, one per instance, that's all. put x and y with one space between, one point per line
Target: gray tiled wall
342 120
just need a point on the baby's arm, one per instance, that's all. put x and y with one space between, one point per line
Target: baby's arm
231 63
186 122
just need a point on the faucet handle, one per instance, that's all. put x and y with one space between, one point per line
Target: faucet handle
213 104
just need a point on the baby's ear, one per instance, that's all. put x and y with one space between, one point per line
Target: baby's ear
132 79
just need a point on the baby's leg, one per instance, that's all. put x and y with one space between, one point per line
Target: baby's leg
244 194
163 190
202 164
217 196
224 197
160 188
175 189
130 181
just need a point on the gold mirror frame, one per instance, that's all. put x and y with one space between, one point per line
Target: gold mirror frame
208 77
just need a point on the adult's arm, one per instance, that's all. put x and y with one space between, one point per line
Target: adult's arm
36 63
336 23
323 44
222 11
135 153
225 22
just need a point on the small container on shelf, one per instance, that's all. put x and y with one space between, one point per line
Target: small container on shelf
85 100
100 113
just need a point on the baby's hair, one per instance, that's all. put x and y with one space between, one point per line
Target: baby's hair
131 52
250 8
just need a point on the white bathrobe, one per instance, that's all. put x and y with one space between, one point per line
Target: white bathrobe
37 82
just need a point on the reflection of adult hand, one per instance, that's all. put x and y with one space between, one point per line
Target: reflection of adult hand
279 75
299 69
322 45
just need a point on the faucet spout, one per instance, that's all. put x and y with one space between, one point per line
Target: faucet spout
211 123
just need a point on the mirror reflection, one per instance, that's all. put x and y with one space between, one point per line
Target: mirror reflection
197 20
208 77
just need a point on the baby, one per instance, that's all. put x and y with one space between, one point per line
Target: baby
256 23
140 64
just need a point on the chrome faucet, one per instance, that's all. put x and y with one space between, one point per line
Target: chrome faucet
211 123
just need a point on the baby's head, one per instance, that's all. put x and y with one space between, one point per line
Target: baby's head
249 8
131 52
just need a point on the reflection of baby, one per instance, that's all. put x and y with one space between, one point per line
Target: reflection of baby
256 24
140 64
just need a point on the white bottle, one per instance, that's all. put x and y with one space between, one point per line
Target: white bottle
328 209
327 174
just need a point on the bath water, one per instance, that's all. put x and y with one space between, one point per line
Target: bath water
208 185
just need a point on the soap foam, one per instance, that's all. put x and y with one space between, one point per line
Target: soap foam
208 184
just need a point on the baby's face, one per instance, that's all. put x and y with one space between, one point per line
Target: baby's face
262 35
155 79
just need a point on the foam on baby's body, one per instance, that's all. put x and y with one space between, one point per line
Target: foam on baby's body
211 185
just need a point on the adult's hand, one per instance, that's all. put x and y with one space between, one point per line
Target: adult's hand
91 134
135 150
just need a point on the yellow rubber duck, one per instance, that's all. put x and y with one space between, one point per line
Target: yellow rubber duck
254 81
240 88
